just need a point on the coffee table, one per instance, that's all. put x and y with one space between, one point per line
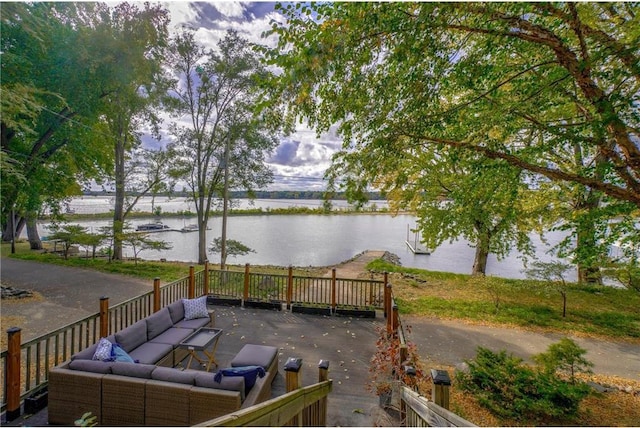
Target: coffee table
200 341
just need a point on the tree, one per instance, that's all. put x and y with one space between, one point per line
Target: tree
224 145
93 241
134 40
553 274
48 117
453 193
234 248
140 242
548 88
69 234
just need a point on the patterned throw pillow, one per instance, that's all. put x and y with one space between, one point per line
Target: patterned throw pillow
195 308
103 351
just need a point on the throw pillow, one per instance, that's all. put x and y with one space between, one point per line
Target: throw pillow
250 373
119 354
103 350
195 308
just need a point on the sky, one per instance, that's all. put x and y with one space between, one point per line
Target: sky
300 160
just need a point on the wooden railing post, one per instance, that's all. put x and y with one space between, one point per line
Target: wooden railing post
290 287
293 381
386 298
104 316
388 308
13 373
293 375
441 384
156 294
395 320
323 375
245 294
191 292
205 286
333 289
323 370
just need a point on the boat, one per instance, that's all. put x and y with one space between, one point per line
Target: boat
190 228
152 227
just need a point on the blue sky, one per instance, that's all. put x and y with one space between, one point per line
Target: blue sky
299 162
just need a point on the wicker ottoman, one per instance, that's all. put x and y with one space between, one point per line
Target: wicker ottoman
259 355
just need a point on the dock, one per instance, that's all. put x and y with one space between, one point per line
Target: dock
414 244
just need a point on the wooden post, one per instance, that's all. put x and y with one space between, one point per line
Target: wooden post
386 293
293 375
205 286
293 381
388 308
191 292
323 375
290 287
441 384
395 320
333 289
245 294
323 370
156 294
13 373
104 316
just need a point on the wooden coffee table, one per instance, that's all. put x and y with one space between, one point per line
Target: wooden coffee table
200 341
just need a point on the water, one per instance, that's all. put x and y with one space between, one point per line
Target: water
309 240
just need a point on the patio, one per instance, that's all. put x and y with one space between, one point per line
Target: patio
347 343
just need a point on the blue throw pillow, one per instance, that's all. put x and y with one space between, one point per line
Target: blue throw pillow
119 354
250 374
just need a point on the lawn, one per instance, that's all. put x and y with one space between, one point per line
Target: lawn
598 311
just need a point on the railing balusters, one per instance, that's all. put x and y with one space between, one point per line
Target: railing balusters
75 337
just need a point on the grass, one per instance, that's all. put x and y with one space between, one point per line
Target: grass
598 311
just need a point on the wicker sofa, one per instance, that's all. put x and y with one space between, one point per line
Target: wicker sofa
151 392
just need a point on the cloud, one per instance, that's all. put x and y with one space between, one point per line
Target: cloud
300 161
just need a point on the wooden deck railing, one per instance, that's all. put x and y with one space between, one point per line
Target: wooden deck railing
421 412
25 366
300 406
336 292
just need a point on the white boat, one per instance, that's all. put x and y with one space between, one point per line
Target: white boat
190 228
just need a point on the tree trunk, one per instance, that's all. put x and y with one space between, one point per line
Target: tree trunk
203 217
20 222
118 209
480 261
482 254
32 232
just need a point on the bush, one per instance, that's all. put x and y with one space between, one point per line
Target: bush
510 389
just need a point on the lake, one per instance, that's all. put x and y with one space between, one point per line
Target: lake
307 240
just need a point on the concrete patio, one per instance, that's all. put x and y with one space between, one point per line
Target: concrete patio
348 343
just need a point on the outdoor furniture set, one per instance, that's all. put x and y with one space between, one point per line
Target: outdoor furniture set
138 381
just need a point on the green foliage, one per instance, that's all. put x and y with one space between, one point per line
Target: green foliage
230 133
512 390
234 248
140 242
432 99
564 357
69 234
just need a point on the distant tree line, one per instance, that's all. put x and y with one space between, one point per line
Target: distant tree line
266 194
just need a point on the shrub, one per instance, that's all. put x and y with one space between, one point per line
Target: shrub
510 389
564 357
